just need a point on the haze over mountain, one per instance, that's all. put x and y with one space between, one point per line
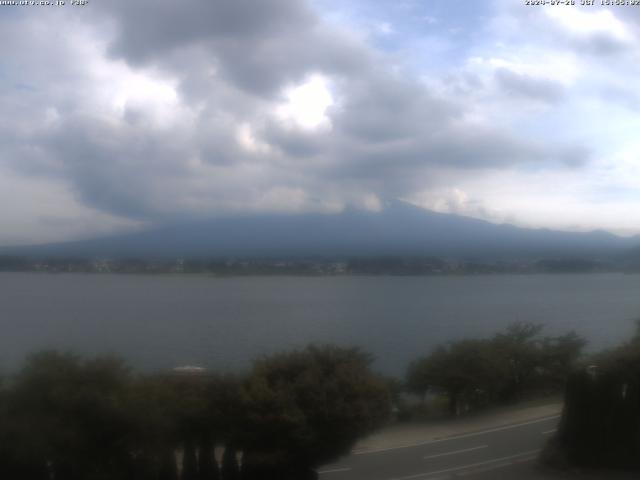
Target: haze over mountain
399 229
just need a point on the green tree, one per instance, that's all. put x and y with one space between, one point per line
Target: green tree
466 371
504 368
559 356
72 415
154 405
309 407
519 348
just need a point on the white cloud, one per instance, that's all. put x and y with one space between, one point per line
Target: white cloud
587 23
247 139
306 104
384 28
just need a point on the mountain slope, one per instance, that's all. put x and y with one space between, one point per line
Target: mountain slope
399 229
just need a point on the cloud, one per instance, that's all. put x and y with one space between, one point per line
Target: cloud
35 210
526 86
152 111
598 31
622 96
258 47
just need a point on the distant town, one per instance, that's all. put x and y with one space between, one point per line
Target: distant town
313 266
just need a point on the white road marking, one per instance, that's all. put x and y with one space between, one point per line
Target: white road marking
495 466
499 462
547 432
456 437
334 470
455 452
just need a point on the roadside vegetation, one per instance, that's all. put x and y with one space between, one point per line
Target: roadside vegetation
63 416
517 364
600 426
69 418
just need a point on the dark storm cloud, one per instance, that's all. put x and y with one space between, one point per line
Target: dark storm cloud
257 46
527 86
118 168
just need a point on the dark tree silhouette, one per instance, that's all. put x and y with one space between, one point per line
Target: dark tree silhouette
207 464
308 407
72 414
230 469
189 462
168 467
600 424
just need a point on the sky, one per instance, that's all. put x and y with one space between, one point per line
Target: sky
119 115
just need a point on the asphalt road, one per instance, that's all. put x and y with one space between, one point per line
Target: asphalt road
507 452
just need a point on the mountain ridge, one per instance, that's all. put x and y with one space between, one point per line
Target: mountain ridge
399 229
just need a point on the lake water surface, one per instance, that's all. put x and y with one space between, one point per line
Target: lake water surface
163 321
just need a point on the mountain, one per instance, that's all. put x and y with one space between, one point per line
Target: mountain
399 229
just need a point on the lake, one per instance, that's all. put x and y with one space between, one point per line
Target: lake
158 322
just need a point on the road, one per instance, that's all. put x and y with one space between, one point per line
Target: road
506 452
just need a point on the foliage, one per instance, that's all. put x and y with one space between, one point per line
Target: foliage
516 362
71 415
465 370
63 416
308 407
600 426
558 359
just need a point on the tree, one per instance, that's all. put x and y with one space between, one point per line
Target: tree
308 407
599 425
17 458
504 368
465 371
67 417
230 469
189 462
168 470
154 406
518 347
207 464
558 358
72 415
418 379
